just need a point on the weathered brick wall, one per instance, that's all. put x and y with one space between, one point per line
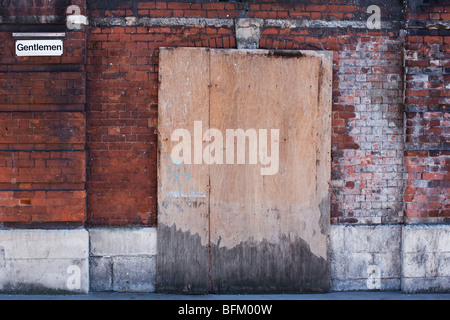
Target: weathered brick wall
367 119
23 8
121 134
42 122
42 113
367 110
427 95
122 109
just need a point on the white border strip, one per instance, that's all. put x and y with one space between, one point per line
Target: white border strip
229 22
133 21
204 22
39 35
314 24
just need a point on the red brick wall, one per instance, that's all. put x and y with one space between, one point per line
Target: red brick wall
42 125
34 7
122 75
121 137
427 132
385 101
428 10
367 113
367 136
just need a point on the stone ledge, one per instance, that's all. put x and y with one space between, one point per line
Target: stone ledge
44 261
365 258
122 241
426 259
123 259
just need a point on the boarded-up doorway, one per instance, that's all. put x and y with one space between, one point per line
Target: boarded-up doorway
252 219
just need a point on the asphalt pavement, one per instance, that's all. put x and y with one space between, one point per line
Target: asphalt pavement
211 297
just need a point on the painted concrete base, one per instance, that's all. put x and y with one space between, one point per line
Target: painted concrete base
414 259
44 261
365 258
123 260
411 258
426 259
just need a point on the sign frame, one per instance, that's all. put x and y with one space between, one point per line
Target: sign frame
39 48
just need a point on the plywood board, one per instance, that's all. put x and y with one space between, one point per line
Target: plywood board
269 232
263 225
183 190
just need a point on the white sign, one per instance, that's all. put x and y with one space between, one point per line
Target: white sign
39 48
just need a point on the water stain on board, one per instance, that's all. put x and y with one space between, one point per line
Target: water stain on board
181 263
251 267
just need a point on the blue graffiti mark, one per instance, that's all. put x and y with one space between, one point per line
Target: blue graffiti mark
179 175
180 179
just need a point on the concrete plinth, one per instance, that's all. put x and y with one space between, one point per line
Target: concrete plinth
123 259
365 258
44 261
